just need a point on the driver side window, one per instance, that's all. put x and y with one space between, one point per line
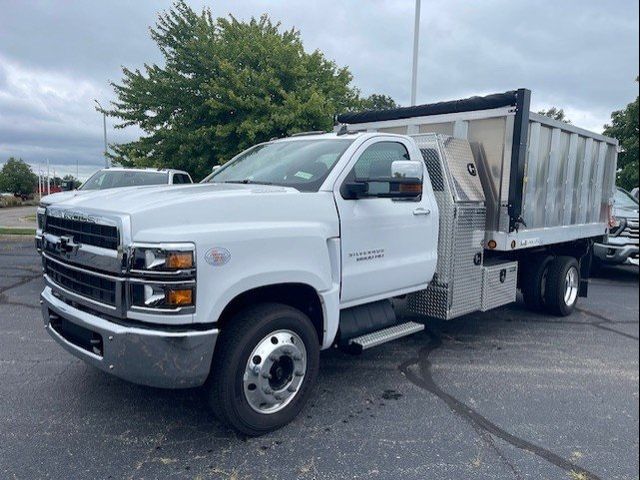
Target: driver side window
375 162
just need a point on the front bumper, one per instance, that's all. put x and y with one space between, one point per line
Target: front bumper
616 254
157 357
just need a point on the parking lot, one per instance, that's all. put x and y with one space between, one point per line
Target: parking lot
505 394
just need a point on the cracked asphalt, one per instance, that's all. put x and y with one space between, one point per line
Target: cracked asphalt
502 395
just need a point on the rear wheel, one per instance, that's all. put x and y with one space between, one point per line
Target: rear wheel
533 282
563 283
265 365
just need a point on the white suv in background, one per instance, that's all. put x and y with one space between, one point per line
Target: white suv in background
121 177
115 177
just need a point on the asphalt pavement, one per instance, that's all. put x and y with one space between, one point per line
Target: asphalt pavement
502 395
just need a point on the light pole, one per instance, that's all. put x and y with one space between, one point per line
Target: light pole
414 70
104 127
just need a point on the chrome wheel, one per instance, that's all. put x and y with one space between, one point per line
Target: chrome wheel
275 371
571 286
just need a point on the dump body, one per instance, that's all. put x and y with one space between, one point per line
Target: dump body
545 182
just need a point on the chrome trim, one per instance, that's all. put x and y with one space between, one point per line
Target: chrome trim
83 270
161 282
171 273
187 309
74 296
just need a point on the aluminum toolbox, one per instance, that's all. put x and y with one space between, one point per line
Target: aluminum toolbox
454 290
499 284
544 181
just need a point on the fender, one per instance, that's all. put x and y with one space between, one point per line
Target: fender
329 298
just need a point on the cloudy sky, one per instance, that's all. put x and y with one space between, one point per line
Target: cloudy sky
57 56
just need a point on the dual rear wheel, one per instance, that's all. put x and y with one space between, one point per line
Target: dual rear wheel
551 284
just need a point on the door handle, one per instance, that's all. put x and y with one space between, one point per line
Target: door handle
422 211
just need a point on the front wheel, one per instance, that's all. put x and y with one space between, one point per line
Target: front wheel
265 365
563 284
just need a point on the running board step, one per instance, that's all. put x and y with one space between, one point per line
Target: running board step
374 339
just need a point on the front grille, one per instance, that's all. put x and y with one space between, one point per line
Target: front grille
630 231
82 283
105 236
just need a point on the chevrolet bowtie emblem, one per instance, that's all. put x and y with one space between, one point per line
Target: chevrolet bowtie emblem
67 245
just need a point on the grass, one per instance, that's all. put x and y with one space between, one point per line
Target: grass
30 218
17 231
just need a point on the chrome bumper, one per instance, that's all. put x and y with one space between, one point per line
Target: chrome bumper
153 357
616 254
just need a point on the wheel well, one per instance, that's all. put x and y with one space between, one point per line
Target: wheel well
297 295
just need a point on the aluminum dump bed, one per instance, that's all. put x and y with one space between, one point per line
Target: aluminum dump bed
544 181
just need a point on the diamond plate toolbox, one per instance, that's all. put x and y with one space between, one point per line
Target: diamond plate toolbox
499 284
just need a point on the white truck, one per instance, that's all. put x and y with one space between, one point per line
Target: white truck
298 244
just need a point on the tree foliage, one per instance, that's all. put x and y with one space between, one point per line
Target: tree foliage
70 182
377 102
624 127
16 177
556 114
226 85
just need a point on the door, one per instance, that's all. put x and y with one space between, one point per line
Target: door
388 245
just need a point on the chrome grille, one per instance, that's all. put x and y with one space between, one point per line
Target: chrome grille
83 283
630 231
105 236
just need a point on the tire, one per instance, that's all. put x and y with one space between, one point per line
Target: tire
533 282
264 368
563 284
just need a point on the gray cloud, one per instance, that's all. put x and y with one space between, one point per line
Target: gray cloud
55 57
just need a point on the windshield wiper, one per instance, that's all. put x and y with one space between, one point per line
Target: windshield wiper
246 181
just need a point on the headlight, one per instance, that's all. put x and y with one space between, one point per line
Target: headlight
167 296
170 259
163 277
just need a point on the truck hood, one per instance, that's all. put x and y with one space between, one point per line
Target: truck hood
625 212
162 213
61 196
133 200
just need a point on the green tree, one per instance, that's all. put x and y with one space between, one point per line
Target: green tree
225 85
16 177
70 182
624 127
377 102
556 114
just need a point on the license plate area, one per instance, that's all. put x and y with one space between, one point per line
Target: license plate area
78 336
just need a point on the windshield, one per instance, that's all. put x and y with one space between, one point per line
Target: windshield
301 164
104 179
624 200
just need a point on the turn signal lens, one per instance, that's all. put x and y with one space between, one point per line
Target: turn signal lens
179 298
411 188
179 260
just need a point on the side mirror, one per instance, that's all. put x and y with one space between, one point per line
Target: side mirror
215 168
407 178
406 169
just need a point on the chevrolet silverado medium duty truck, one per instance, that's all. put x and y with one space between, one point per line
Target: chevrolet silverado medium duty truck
299 244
